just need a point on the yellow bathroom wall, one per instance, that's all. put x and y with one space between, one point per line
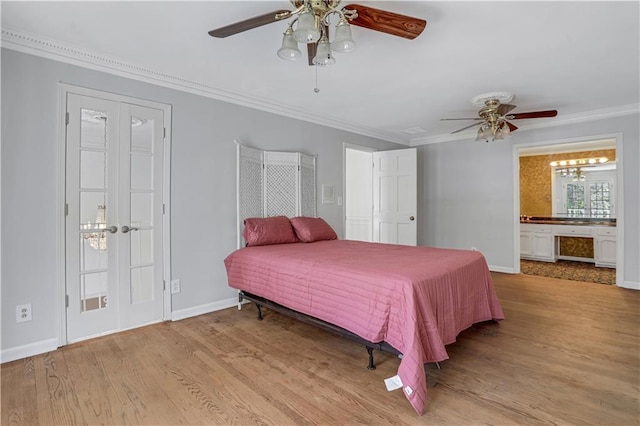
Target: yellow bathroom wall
535 179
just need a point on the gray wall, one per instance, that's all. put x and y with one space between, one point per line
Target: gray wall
202 183
466 190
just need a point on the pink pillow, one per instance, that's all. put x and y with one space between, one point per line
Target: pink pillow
259 231
310 229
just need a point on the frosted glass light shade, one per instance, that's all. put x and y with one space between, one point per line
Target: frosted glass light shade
323 54
289 50
306 30
506 131
343 42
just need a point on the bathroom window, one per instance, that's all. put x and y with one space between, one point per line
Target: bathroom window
592 197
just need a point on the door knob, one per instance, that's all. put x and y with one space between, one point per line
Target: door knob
412 218
113 229
126 229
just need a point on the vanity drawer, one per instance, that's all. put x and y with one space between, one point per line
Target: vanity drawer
569 230
532 227
608 231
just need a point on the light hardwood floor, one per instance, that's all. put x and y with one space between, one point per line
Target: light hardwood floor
567 353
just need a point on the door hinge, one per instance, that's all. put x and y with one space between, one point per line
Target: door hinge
164 285
164 132
66 300
66 118
66 209
163 208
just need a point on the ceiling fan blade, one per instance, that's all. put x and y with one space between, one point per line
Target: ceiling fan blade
387 22
465 128
511 126
505 108
249 24
449 119
534 114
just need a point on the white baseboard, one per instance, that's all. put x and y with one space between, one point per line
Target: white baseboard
502 269
203 309
630 284
31 349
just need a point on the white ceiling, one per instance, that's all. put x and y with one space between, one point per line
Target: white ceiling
581 58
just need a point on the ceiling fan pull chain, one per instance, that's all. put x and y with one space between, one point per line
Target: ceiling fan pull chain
315 89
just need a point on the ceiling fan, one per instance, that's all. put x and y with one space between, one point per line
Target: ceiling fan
311 19
495 114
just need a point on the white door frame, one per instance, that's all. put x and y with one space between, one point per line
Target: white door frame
619 194
63 90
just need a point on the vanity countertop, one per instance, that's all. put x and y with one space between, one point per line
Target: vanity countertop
580 221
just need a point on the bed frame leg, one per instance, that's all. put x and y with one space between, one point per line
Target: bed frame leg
240 301
259 312
371 365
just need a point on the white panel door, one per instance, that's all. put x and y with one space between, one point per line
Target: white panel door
114 162
395 196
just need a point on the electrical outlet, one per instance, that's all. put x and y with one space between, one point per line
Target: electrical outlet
175 286
23 313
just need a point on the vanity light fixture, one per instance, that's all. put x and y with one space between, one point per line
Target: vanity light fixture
579 162
573 168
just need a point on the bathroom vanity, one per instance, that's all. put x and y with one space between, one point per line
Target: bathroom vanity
549 239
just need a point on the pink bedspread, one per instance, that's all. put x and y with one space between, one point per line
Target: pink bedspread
417 299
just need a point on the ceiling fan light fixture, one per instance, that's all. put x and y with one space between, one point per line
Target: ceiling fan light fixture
306 30
506 131
343 41
323 56
289 49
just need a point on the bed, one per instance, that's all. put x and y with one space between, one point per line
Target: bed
414 300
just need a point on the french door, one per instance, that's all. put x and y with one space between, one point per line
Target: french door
114 216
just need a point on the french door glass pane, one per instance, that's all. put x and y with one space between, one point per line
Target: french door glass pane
141 209
142 247
141 171
93 291
93 128
92 169
93 212
141 135
141 284
93 253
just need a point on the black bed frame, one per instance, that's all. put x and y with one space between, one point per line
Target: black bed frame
260 302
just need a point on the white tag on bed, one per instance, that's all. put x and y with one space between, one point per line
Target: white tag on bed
393 383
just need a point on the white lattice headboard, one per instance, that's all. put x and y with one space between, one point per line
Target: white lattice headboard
273 183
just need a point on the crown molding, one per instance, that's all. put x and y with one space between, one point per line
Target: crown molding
583 117
37 45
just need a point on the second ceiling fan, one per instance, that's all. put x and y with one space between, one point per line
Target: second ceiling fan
494 116
311 20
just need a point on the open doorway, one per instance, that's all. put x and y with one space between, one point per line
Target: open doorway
570 202
381 195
